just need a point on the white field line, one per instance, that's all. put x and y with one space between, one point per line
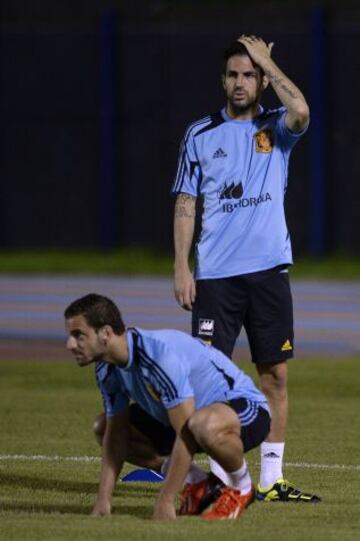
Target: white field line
53 458
57 458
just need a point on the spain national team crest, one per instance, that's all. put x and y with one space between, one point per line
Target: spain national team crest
264 140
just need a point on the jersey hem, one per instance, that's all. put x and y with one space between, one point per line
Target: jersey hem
208 276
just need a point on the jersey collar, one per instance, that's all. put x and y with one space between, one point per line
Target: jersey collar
130 343
228 118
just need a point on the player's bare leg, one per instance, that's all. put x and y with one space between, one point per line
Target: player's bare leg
140 449
216 429
273 486
273 383
142 453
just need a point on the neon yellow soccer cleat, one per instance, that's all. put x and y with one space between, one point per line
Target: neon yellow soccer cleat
283 491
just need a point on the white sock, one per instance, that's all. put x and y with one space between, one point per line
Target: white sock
194 474
241 479
271 463
217 470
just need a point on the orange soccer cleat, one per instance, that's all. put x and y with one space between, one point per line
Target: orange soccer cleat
230 504
196 497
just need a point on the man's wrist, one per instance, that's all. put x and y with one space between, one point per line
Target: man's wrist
181 265
267 65
166 496
102 507
103 500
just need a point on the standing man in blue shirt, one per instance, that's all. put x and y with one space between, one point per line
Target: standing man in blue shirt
237 161
179 382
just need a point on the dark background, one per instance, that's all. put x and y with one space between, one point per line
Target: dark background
95 97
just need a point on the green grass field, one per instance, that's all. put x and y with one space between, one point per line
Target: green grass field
151 262
48 408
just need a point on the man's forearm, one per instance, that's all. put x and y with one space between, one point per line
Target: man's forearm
110 470
184 225
114 451
288 93
180 462
183 450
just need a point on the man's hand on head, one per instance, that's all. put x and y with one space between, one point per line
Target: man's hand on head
257 48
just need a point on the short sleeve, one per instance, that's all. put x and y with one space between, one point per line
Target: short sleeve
188 175
114 400
171 379
286 137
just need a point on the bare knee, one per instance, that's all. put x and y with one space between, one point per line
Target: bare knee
209 428
99 427
201 424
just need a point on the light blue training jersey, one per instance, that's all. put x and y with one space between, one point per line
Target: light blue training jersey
240 168
165 368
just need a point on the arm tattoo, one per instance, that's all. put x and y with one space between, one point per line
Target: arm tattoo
185 206
278 81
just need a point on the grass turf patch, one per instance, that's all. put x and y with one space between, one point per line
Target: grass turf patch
48 409
135 261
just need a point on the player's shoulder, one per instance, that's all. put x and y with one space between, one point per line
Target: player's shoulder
145 339
163 344
160 337
204 124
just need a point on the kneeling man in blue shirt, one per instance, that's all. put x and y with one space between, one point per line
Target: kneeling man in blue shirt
192 391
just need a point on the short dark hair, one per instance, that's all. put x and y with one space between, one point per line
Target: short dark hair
98 311
236 47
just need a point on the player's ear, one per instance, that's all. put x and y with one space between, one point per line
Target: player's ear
223 80
105 333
